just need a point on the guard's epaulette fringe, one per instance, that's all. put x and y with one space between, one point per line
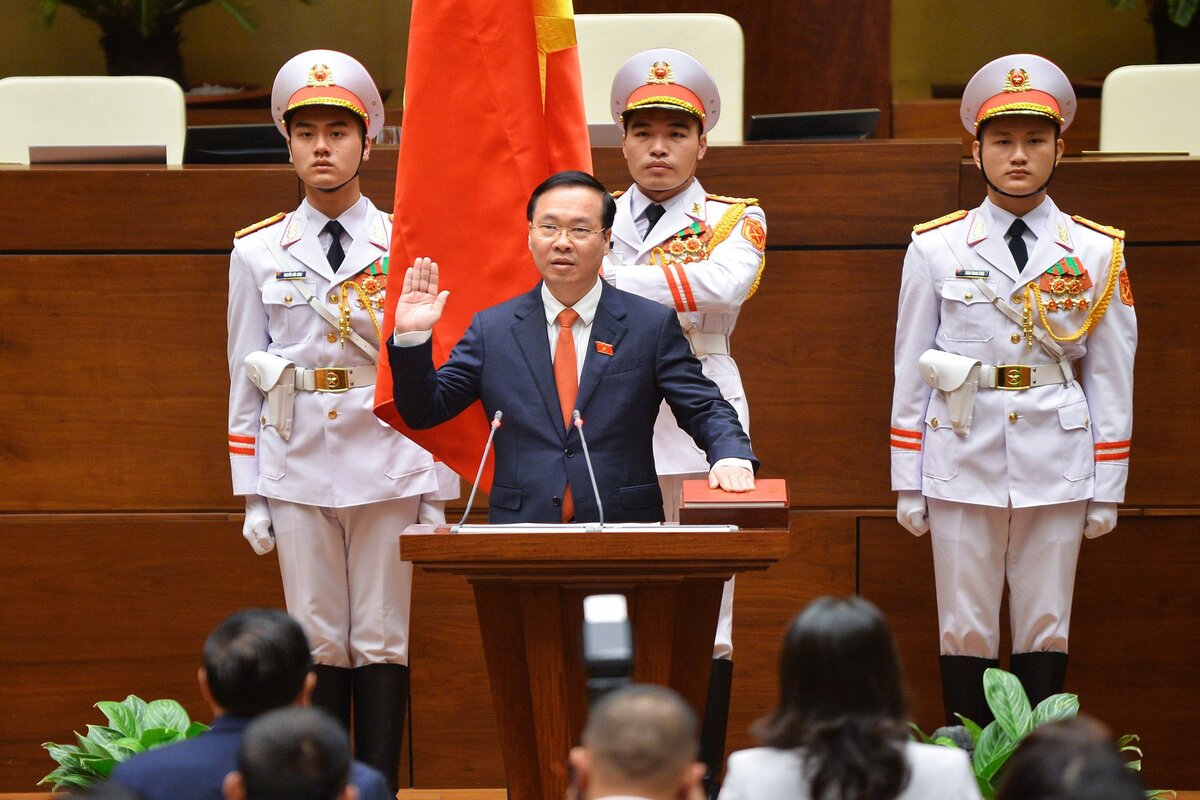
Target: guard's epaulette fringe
953 216
1107 230
750 201
617 193
258 226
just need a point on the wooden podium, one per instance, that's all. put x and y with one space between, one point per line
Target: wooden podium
529 590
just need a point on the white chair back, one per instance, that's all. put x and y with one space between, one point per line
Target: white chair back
715 40
1151 108
90 110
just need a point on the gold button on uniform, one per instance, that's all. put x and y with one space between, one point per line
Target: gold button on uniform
333 415
332 337
1013 417
287 298
969 296
1015 338
1017 299
933 423
263 420
333 298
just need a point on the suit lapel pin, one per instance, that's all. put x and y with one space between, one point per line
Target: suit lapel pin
604 348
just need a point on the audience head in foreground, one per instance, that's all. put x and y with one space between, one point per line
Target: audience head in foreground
1075 759
840 729
256 660
640 741
292 754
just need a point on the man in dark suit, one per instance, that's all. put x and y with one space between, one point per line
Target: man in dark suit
573 342
254 661
292 754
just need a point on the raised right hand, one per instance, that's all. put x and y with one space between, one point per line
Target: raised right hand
420 304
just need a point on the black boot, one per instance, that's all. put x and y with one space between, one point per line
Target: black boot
962 688
380 703
716 718
1042 674
332 692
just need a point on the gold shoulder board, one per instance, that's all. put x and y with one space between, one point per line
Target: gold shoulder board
1107 230
258 226
750 201
617 193
953 216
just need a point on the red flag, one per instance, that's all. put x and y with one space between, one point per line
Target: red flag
493 106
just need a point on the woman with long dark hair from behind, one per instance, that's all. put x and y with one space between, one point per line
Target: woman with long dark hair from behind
840 730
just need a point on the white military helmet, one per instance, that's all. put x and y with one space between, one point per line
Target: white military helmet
666 78
1018 84
326 78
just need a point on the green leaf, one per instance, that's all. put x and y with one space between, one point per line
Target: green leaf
1164 794
985 788
1135 765
128 743
992 750
917 734
972 728
120 716
242 13
91 749
1056 707
944 741
1128 738
76 779
104 766
1006 698
102 734
197 728
165 714
157 737
1182 11
65 754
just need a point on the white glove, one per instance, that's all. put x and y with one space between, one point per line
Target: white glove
1101 518
910 512
432 512
257 527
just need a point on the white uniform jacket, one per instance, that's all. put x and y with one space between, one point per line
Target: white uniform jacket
706 285
339 453
1048 444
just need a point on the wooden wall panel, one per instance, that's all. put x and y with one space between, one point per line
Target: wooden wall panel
121 401
937 119
1132 644
98 606
137 209
810 56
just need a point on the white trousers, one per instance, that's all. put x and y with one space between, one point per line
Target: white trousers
976 548
672 492
343 578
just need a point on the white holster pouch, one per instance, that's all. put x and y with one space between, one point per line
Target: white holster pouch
275 377
957 378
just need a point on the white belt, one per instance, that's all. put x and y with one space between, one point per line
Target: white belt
707 344
1014 377
334 379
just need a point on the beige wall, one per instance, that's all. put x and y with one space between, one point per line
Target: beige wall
216 49
945 41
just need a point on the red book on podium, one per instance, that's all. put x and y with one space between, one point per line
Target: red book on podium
766 506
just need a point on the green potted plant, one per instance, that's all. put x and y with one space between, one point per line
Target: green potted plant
1014 720
1176 36
141 37
133 727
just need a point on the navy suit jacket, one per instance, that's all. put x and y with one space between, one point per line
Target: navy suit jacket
196 768
504 360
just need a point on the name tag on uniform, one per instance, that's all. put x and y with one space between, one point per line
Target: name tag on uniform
291 275
971 274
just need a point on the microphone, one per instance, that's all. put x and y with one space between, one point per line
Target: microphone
479 474
577 421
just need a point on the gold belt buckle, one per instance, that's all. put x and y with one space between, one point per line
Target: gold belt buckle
331 379
1013 377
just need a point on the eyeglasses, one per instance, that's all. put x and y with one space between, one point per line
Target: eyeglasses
551 232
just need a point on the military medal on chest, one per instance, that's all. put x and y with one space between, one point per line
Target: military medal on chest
1066 282
370 292
688 245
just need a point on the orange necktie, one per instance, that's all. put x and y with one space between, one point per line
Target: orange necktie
566 379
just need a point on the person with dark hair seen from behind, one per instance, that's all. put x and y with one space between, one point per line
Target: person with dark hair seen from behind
292 754
255 661
1074 759
840 729
639 744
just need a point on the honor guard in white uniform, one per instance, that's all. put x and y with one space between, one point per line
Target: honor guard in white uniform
325 481
1012 412
701 254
